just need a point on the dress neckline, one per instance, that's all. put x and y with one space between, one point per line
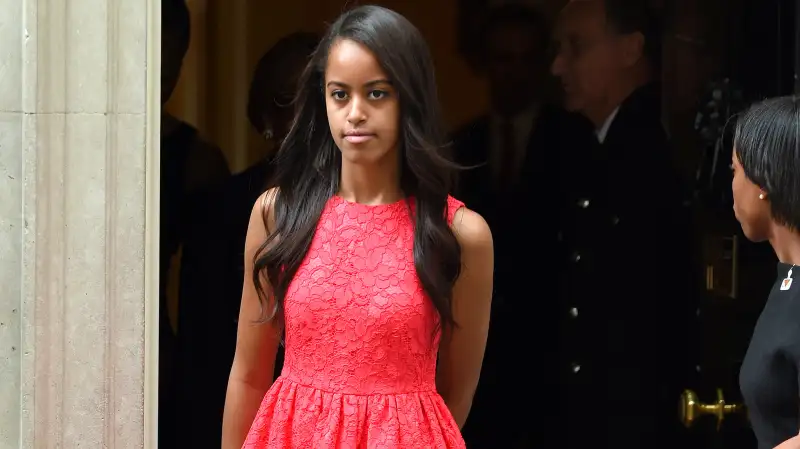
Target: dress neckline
784 267
371 207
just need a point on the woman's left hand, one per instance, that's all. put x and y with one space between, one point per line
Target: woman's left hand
791 443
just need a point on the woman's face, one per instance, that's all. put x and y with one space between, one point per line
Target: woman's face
362 106
750 204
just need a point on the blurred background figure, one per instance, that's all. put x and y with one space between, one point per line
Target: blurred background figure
213 285
514 148
625 242
190 169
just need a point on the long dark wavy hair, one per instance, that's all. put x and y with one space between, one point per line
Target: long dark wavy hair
308 163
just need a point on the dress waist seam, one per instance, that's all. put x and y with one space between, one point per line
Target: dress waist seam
284 378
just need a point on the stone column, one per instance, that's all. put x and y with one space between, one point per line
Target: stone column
73 133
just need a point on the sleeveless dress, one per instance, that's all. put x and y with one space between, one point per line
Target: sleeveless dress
360 363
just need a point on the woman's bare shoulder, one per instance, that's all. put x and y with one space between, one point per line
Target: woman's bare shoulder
471 229
264 210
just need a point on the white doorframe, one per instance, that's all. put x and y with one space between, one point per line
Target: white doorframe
152 220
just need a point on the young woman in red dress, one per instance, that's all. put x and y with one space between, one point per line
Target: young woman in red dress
381 281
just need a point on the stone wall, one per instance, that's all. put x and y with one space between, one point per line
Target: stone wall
73 134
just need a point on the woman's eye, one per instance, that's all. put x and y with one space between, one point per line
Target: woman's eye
377 94
339 95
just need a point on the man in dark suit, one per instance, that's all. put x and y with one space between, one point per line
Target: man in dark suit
514 53
624 239
511 153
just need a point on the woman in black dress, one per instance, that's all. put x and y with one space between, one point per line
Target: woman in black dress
766 193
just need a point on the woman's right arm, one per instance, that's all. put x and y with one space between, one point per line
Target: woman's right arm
256 344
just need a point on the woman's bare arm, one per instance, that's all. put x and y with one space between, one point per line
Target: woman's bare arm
256 344
462 348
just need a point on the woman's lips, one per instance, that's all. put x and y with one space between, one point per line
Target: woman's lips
358 138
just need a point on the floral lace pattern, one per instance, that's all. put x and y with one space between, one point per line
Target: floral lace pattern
360 364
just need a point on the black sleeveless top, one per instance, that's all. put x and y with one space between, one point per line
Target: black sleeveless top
769 374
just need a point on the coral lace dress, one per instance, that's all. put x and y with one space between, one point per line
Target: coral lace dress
359 370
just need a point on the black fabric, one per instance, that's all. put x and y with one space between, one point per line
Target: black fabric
212 282
175 148
769 374
522 220
626 286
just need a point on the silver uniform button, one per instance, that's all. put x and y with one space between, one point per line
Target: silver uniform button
614 220
584 203
573 312
576 257
576 368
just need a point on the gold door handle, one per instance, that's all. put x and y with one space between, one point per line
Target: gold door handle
691 408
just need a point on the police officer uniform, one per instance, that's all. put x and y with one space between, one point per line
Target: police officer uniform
624 262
